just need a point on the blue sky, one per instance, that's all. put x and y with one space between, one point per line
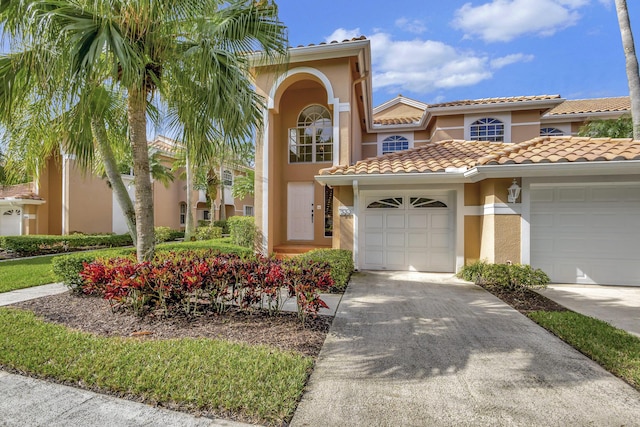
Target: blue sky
439 50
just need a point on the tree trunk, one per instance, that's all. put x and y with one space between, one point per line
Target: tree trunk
189 224
633 75
136 113
111 168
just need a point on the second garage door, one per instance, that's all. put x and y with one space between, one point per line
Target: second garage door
407 233
587 233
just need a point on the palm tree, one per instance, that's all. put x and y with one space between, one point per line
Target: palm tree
633 74
189 53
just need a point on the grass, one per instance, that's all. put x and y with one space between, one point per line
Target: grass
26 273
259 382
616 350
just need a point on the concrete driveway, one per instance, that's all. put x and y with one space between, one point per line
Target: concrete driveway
412 349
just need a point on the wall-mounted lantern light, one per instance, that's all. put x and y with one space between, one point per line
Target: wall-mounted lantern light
514 191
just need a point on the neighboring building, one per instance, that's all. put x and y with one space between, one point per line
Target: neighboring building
66 200
411 186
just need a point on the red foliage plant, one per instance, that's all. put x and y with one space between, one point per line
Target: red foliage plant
195 280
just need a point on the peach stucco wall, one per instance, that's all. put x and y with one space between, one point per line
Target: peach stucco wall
88 202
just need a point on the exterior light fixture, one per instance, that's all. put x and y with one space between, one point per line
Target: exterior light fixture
514 191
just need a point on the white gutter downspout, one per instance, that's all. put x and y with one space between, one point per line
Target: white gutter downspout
356 212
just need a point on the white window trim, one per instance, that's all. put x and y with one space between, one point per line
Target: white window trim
505 118
225 172
383 136
314 145
565 128
244 210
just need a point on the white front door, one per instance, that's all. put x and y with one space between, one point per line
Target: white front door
300 211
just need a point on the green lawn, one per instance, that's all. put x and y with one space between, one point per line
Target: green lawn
25 273
259 382
616 350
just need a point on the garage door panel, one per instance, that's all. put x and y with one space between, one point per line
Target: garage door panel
396 240
439 241
374 220
587 234
395 258
440 221
418 240
374 238
417 221
572 194
395 221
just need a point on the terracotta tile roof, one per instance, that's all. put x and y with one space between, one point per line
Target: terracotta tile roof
397 121
488 101
443 155
595 105
355 39
19 191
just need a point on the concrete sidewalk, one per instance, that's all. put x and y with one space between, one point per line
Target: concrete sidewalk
30 402
421 349
617 305
12 297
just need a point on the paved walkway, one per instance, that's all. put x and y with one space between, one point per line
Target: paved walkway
617 305
26 294
420 349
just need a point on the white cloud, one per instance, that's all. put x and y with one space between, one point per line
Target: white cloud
504 20
414 26
343 34
503 61
425 66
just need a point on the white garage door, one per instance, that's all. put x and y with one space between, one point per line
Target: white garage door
407 233
10 221
587 233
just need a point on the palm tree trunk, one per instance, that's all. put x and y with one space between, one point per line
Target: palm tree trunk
136 112
111 168
223 206
633 75
189 224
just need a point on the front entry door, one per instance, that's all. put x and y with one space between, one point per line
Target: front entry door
300 211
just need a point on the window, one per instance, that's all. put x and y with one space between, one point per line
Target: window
206 215
551 132
487 129
394 143
312 140
248 211
227 178
423 202
390 203
183 213
328 211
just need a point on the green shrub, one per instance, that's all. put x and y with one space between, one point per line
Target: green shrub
222 223
511 276
340 263
208 233
45 244
242 230
67 268
176 234
162 234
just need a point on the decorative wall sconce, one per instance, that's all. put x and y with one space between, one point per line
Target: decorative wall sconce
514 191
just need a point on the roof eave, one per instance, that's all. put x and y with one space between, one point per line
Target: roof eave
312 53
498 106
607 167
390 178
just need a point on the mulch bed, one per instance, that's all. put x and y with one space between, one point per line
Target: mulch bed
94 315
525 300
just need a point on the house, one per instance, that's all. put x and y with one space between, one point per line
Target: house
66 200
412 186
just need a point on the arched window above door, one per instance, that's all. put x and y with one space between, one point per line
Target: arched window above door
311 141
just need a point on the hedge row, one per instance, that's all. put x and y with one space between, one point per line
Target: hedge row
45 244
510 276
340 263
